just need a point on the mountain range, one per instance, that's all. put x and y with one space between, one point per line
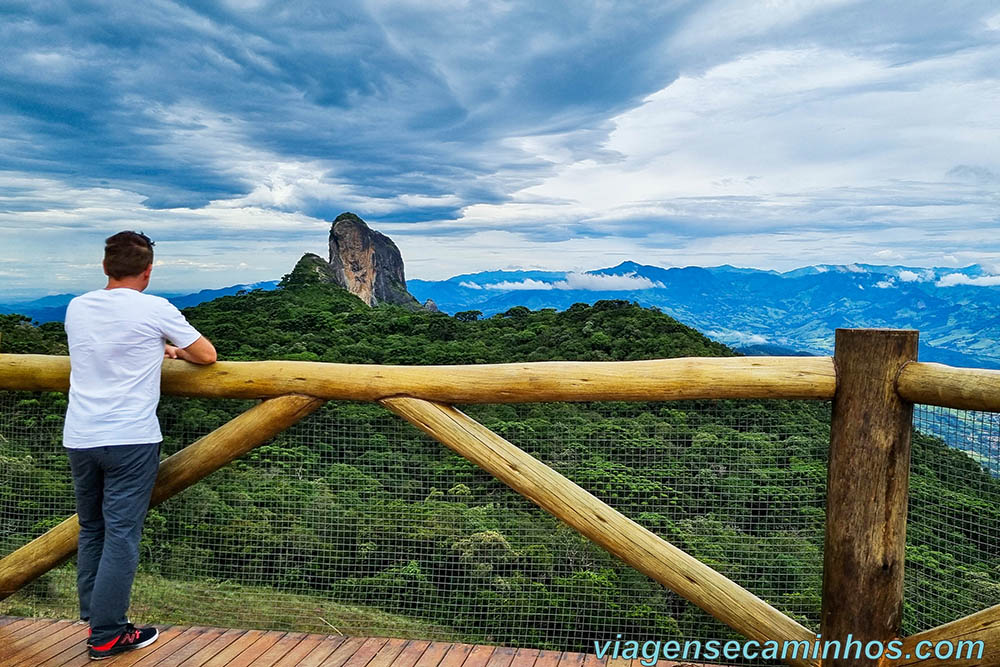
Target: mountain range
957 311
53 308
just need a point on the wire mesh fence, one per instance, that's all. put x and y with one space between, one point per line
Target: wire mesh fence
953 532
355 522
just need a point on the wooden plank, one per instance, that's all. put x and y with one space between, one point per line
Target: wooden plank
206 637
525 657
164 647
479 656
217 646
456 655
548 658
600 523
34 634
413 651
342 653
433 654
867 490
29 647
73 653
32 626
306 647
951 387
279 650
545 381
75 639
245 641
179 471
366 652
7 620
389 652
78 657
12 624
255 650
571 659
502 656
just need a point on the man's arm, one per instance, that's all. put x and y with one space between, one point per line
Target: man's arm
199 352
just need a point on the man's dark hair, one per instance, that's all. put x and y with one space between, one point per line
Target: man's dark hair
127 254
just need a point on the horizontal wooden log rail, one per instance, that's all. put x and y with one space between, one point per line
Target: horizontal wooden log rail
950 387
660 379
542 381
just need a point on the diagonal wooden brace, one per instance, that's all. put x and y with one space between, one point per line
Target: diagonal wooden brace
961 641
603 525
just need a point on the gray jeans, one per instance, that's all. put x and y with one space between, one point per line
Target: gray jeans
113 486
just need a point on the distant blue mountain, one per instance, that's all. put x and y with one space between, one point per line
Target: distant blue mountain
749 309
753 309
188 300
53 308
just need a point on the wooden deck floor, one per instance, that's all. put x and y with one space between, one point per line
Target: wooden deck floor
28 642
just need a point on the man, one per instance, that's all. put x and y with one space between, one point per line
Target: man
117 343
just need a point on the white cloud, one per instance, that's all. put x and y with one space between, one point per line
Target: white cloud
597 281
214 246
737 337
886 284
467 284
581 281
953 279
526 284
770 138
774 136
907 276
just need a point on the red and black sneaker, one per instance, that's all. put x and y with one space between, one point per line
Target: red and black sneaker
131 638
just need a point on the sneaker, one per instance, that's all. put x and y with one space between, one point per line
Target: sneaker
90 632
131 638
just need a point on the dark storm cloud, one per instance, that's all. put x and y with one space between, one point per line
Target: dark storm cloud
161 98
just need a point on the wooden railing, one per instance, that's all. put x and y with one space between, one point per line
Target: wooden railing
873 380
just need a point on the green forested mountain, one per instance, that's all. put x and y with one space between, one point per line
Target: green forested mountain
354 506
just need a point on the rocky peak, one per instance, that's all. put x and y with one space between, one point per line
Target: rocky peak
362 261
367 263
309 270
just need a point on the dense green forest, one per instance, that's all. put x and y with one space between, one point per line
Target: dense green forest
354 506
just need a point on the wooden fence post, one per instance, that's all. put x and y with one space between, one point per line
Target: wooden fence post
867 493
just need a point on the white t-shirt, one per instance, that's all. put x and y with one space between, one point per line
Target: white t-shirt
116 339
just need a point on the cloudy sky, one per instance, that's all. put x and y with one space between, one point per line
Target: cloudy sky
496 134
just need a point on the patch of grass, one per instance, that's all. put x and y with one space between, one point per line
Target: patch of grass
226 605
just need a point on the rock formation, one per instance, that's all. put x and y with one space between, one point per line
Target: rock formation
367 263
363 261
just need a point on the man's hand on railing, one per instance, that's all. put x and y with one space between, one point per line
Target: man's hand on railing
199 352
